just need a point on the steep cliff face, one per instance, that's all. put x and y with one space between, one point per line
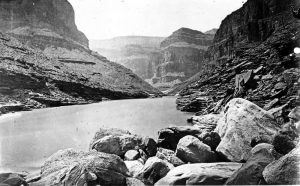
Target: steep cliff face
252 58
41 16
248 26
182 56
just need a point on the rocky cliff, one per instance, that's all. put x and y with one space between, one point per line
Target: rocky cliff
252 58
45 17
54 65
252 23
182 56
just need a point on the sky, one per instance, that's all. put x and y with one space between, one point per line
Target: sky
104 19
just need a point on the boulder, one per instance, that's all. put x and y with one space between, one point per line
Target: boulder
118 141
211 139
191 149
285 170
72 167
153 170
241 121
102 132
169 155
150 146
168 138
134 167
117 144
206 122
251 172
134 182
143 156
132 155
283 143
295 114
200 174
12 179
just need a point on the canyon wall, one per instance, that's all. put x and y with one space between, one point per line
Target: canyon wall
248 26
64 71
182 56
41 16
252 57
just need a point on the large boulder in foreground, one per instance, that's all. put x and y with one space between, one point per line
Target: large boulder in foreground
191 149
168 138
153 170
251 172
200 174
72 167
242 120
285 170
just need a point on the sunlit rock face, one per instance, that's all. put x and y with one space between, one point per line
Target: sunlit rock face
50 18
182 56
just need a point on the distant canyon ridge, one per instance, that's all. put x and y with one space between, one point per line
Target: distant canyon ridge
162 62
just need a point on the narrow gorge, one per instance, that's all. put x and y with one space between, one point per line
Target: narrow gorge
220 107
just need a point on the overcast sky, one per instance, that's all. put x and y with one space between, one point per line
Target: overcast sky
103 19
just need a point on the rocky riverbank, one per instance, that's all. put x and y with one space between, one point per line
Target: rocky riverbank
252 57
244 144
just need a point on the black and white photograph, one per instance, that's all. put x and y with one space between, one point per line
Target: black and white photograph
149 92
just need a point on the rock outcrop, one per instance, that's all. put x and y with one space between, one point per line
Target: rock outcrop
241 122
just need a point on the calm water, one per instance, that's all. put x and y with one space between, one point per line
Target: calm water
28 138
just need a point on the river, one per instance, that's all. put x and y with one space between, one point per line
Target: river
28 138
